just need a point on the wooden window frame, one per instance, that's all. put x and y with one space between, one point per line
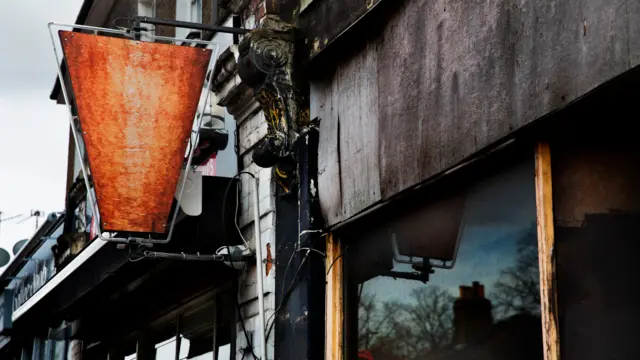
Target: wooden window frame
334 304
546 254
335 308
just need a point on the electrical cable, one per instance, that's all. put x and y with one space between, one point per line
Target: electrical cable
224 207
224 235
337 258
244 330
286 295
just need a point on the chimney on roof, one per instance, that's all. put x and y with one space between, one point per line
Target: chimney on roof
472 316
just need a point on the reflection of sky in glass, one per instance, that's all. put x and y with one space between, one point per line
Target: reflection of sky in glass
407 319
498 212
484 252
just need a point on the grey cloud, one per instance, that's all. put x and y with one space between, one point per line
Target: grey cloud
33 129
27 60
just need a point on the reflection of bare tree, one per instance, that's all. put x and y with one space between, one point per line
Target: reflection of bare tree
518 288
432 316
406 330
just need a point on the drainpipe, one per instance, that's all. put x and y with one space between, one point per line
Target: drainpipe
259 269
310 236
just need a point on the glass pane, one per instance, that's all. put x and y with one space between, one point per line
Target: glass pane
224 352
486 307
60 350
596 203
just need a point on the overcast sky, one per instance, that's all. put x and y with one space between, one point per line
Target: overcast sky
33 129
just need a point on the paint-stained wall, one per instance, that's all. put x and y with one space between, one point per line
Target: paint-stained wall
445 79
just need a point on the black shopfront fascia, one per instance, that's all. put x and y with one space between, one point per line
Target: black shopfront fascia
6 310
21 272
129 294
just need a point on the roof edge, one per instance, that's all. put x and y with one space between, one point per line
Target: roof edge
80 20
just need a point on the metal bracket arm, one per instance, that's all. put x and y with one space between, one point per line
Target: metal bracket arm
187 25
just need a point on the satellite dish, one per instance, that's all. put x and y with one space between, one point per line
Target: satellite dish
17 246
4 257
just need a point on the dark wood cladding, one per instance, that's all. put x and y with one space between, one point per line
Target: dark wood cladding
324 20
136 102
596 203
443 81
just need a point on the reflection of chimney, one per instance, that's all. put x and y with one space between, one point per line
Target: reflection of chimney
471 314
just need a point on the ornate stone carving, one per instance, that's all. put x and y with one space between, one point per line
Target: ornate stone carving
267 64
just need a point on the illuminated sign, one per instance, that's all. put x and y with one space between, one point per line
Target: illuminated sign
136 103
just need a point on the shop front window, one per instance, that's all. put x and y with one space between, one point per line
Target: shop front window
60 350
483 302
166 350
202 329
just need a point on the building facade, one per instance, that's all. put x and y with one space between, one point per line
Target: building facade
436 180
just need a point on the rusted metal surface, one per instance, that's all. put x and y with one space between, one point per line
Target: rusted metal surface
136 103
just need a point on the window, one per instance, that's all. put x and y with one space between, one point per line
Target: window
482 302
196 325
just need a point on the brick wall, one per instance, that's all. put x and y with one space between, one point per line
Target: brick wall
254 13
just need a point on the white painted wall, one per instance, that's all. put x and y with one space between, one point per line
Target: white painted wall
183 13
252 127
147 8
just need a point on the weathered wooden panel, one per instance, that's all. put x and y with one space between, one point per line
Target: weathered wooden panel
349 103
329 180
358 116
633 19
324 20
454 77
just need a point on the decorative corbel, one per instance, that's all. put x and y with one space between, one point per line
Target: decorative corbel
267 63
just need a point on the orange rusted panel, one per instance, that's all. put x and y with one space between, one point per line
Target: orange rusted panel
136 102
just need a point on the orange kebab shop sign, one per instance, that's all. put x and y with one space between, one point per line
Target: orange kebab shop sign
136 103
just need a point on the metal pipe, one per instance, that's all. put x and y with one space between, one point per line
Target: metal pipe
215 327
191 25
123 33
178 339
259 269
